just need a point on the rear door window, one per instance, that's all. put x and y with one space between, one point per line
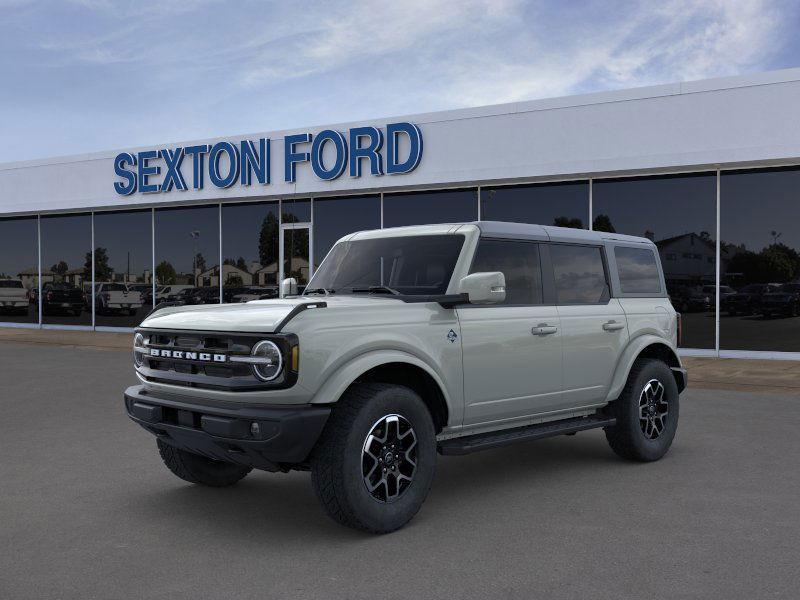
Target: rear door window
580 276
638 270
519 262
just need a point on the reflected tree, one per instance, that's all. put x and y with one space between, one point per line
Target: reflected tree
165 273
603 223
574 223
60 268
268 241
102 270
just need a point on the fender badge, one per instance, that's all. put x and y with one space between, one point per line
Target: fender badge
452 336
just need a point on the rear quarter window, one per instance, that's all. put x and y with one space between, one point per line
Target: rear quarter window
638 270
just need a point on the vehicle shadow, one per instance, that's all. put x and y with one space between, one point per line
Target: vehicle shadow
275 506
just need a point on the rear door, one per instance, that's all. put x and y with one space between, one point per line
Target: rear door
593 324
512 351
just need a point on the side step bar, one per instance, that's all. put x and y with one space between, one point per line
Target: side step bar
496 439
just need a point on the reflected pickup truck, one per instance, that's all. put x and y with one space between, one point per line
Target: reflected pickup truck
13 296
414 341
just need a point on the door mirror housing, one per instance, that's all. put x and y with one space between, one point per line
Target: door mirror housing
289 287
484 288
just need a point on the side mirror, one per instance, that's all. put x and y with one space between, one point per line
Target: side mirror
289 287
484 288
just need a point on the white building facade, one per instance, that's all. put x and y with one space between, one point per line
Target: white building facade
709 170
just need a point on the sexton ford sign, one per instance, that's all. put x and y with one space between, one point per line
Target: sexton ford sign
330 153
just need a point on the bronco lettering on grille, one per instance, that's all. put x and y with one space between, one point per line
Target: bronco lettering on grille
182 354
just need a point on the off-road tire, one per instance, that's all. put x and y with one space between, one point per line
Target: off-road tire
199 469
336 461
626 438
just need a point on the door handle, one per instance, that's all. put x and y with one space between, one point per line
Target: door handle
613 326
543 329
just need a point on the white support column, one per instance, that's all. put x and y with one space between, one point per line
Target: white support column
219 239
716 299
591 204
39 252
479 203
311 243
153 255
91 216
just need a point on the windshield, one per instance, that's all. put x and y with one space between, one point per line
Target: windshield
409 265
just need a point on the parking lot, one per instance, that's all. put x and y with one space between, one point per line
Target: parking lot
88 511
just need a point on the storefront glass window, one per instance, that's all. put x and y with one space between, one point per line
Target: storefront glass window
187 255
760 256
19 270
67 270
249 251
336 217
123 266
679 214
420 208
560 204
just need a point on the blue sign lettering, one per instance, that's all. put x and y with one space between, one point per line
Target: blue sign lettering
330 153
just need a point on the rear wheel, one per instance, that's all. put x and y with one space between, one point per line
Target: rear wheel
199 469
646 413
374 463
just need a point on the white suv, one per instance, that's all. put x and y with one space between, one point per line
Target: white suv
408 341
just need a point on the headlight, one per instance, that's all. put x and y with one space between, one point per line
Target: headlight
138 349
270 360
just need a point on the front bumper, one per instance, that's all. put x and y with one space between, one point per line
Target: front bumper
284 436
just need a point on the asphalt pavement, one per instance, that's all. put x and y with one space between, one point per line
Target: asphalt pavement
87 510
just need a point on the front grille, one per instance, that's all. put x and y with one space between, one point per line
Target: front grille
191 372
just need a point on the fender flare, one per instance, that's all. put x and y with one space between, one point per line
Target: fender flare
344 376
629 356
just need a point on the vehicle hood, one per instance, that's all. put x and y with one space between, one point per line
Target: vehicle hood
258 316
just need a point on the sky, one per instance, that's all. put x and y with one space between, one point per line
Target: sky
81 76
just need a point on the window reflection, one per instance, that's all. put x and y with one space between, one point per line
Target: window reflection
19 270
336 217
187 255
249 251
123 265
760 270
679 214
559 204
67 269
420 208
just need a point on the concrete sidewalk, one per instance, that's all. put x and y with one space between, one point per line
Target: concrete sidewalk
748 375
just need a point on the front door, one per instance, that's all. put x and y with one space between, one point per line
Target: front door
295 254
511 351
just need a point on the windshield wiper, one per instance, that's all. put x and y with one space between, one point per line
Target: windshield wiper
376 289
319 290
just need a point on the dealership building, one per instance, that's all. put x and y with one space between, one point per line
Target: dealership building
709 170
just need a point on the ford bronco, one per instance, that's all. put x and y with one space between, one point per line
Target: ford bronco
451 338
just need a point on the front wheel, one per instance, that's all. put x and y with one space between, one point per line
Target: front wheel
374 462
646 413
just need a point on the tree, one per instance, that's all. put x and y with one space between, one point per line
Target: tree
200 262
60 268
603 223
102 270
241 263
165 273
568 222
268 241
